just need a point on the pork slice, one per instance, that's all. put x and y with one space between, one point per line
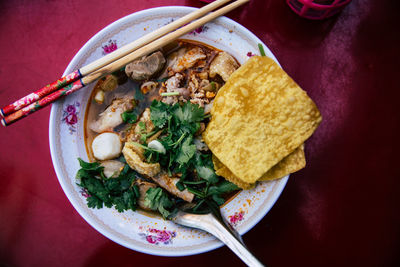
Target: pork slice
146 67
169 184
111 116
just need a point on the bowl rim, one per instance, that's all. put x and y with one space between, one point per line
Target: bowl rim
52 138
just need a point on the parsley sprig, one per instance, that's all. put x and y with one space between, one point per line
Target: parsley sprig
118 192
158 200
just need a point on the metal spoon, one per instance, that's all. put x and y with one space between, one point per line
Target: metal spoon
217 227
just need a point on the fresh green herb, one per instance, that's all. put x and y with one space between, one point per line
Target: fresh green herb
87 166
186 152
207 174
121 159
205 168
180 124
223 187
129 117
206 116
156 199
198 205
196 192
189 113
143 133
160 114
180 186
194 182
261 48
177 142
218 199
212 197
117 192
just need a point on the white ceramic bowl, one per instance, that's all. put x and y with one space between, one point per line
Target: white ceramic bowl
136 230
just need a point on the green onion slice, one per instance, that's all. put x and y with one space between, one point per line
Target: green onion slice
170 94
261 48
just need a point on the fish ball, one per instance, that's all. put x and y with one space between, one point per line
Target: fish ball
106 146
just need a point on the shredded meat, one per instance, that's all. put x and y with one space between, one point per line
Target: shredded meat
173 85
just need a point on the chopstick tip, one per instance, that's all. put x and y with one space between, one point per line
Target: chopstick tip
1 112
3 122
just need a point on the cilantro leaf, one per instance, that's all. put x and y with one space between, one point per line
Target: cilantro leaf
95 166
129 117
222 188
95 187
218 199
189 113
207 174
186 151
109 192
94 202
156 199
159 113
205 168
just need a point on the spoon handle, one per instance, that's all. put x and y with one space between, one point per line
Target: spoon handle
211 224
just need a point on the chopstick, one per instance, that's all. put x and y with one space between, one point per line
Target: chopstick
121 52
119 63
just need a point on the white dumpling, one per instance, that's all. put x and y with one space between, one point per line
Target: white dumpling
106 146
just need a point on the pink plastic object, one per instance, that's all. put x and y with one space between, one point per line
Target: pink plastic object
317 9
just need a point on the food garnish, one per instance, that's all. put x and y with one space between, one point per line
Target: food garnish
156 199
261 48
118 192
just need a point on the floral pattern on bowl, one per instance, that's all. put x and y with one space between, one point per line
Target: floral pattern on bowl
156 236
109 47
70 116
236 218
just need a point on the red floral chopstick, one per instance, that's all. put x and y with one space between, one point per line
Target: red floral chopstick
29 99
23 112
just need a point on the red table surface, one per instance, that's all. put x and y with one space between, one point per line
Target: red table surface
341 210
